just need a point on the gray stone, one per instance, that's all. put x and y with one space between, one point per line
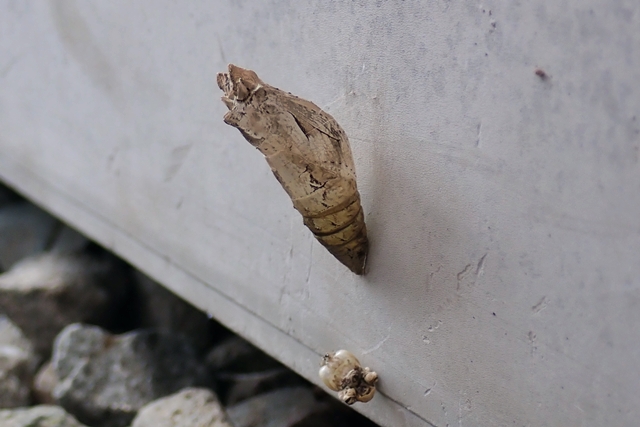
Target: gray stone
191 407
105 379
17 365
279 408
11 335
45 293
38 416
159 308
44 383
25 230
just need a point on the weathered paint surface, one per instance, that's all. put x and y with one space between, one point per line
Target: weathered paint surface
497 146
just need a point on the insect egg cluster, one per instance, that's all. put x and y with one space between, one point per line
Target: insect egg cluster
341 371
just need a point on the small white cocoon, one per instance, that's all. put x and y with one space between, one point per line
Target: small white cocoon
341 371
335 367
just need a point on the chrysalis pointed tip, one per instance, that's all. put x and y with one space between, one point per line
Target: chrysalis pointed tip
355 259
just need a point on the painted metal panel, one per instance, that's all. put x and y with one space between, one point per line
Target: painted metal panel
503 206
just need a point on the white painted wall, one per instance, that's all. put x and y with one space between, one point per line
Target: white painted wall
503 209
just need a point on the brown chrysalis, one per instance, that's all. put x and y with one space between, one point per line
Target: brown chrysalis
310 156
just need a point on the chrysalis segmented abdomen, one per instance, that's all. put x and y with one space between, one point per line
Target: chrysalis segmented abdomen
342 230
310 156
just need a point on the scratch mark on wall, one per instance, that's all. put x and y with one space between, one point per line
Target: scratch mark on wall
222 55
430 277
435 272
469 270
112 158
461 275
310 264
176 159
377 346
540 305
480 267
532 340
478 134
433 327
328 105
283 290
464 408
5 70
76 35
444 409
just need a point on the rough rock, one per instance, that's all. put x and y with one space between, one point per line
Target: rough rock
43 294
159 308
25 230
44 383
38 416
105 379
17 365
191 407
279 408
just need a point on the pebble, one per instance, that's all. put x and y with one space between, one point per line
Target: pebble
191 407
44 293
105 379
17 365
38 416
